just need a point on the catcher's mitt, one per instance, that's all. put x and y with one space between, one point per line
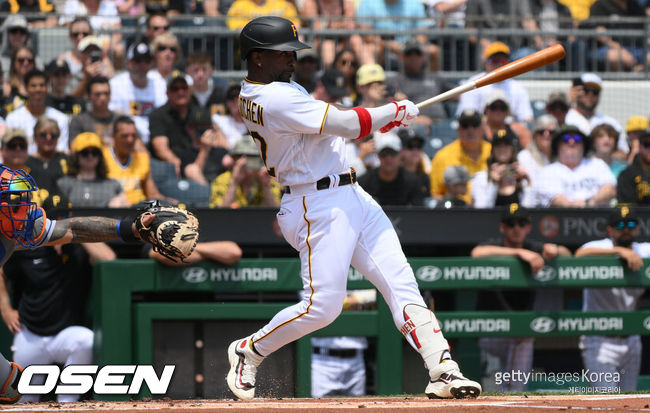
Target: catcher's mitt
174 232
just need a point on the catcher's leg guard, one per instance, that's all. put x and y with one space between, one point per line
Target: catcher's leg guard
9 392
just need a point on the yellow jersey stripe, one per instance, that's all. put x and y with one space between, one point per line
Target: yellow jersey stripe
322 124
304 205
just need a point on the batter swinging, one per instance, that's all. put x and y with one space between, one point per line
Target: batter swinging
325 214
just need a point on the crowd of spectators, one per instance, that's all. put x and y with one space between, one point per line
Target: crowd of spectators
144 116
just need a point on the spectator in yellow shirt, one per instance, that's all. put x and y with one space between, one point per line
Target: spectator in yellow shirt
243 11
248 183
469 150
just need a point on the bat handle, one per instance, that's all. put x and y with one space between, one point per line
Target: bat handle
448 94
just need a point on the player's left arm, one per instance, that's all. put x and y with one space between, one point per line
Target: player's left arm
87 229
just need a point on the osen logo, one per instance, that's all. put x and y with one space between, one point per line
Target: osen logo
542 325
429 273
546 274
646 323
195 275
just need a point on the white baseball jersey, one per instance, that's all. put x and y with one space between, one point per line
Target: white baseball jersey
580 183
286 115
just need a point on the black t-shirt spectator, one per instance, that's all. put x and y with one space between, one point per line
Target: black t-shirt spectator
404 190
497 299
69 105
184 134
633 185
50 290
45 174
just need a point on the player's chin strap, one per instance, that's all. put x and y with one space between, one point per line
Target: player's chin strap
423 328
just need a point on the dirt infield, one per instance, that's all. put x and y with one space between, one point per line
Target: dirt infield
497 404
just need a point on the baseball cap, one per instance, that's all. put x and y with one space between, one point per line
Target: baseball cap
246 146
413 46
57 66
557 97
138 50
591 79
307 54
495 96
635 123
16 21
407 135
469 116
622 213
495 48
543 122
370 73
334 83
86 140
388 140
514 211
176 75
88 41
456 174
504 136
13 133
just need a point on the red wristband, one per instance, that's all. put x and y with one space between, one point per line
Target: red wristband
365 122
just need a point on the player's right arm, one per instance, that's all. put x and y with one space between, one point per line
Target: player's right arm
360 122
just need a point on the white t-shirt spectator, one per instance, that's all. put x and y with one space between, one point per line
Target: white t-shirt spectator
107 14
233 130
21 118
580 183
135 102
520 107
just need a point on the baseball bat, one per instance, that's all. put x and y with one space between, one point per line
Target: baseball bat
525 64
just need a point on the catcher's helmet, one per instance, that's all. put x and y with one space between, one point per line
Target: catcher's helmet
269 32
17 211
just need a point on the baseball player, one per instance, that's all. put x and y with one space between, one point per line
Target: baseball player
620 356
325 214
23 225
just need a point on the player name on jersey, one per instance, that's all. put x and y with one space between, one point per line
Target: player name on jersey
251 111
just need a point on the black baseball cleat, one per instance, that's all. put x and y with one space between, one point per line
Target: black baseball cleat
448 382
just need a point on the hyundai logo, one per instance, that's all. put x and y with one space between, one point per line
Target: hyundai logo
542 325
546 274
195 275
428 273
646 323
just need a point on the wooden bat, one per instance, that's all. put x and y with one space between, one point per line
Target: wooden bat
525 64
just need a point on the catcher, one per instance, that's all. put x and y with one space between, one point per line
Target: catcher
172 232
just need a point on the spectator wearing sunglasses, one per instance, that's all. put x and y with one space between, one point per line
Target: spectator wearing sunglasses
585 93
573 179
47 164
14 148
414 159
538 153
616 357
167 56
496 55
497 117
504 181
634 128
512 354
87 183
15 34
469 150
633 184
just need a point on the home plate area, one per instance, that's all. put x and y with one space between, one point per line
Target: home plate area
523 403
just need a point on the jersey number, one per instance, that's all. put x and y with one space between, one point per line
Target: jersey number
263 148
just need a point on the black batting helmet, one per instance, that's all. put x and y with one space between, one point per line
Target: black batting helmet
269 32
